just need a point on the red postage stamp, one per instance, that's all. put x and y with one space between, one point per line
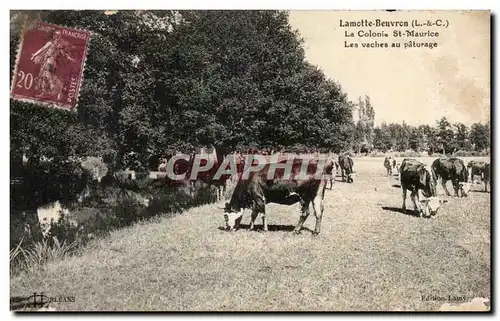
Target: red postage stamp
49 66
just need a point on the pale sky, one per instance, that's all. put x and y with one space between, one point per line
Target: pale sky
417 85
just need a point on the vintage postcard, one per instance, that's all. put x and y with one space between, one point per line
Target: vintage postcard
250 160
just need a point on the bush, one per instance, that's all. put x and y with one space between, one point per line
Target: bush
376 153
407 153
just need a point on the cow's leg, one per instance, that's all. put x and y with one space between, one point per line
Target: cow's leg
264 220
404 199
455 187
219 193
260 206
443 183
255 212
303 216
416 205
318 212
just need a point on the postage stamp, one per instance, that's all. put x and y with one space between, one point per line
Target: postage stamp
49 66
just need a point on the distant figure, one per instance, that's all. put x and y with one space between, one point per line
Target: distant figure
388 165
346 165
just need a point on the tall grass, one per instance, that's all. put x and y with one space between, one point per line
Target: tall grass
33 256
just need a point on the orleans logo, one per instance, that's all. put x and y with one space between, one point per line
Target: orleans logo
38 300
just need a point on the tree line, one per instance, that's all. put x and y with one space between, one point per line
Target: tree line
443 138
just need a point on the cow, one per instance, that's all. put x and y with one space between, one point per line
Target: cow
388 165
452 169
330 167
479 168
421 182
346 163
256 190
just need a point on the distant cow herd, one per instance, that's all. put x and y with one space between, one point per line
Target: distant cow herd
414 176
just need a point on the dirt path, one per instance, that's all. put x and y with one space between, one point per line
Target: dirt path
369 256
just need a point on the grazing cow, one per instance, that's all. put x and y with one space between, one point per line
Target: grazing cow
452 169
421 181
482 169
388 165
346 164
257 190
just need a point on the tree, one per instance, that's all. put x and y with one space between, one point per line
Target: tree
445 136
480 136
462 137
359 137
382 138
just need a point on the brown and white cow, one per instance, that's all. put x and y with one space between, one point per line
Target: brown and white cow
259 186
421 182
452 169
479 168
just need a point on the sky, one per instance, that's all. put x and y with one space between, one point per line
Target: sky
415 85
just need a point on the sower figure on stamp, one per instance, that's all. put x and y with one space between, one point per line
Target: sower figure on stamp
47 81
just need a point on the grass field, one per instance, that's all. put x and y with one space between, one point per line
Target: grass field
369 256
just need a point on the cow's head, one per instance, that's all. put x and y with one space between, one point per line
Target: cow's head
232 218
464 188
350 177
431 205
